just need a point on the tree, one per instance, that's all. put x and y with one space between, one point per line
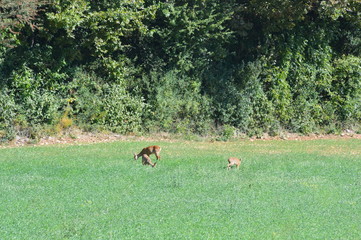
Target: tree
14 14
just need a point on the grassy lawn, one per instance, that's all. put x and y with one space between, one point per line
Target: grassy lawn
283 190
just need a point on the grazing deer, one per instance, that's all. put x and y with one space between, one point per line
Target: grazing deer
148 151
233 161
146 160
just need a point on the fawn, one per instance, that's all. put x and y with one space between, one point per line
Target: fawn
148 151
146 160
233 161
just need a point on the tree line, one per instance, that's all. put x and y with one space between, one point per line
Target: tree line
180 66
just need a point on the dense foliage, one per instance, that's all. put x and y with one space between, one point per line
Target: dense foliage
186 66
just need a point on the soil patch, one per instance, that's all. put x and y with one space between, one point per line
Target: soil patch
90 138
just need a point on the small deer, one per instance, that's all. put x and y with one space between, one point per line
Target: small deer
148 151
146 160
233 161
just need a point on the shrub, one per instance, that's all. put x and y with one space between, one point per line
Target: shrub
104 104
8 109
346 87
240 100
176 104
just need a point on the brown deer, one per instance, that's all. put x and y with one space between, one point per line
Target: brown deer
233 161
148 151
146 160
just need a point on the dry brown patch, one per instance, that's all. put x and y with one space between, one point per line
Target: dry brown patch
79 137
294 136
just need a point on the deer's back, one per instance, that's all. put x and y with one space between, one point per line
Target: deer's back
149 150
234 160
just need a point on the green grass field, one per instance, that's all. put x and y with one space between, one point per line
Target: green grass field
283 190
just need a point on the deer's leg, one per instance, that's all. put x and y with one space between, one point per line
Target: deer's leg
150 162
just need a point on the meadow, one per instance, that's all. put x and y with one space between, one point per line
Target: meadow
283 190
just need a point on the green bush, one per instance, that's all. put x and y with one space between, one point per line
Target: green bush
346 88
240 100
98 103
176 104
122 112
8 109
